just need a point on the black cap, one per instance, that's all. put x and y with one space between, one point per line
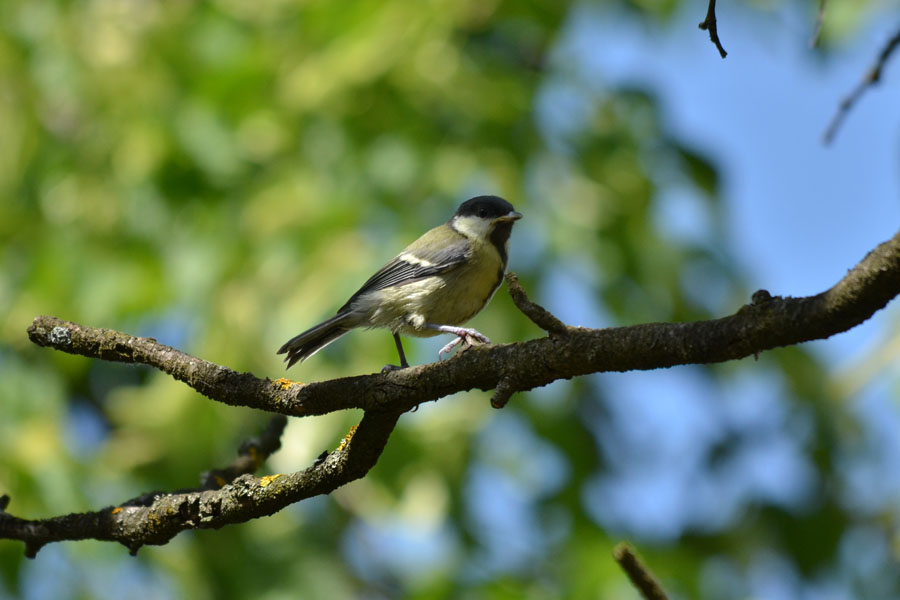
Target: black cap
485 207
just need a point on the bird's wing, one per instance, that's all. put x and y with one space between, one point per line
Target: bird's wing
413 264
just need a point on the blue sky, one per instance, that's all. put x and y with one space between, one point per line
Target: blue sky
798 214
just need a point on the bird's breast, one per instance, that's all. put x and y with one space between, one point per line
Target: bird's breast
451 298
466 290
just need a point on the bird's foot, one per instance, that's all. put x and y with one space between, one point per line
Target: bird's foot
390 368
470 337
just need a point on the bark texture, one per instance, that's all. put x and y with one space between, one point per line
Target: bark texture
234 495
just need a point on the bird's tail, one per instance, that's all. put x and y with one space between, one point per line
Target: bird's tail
301 347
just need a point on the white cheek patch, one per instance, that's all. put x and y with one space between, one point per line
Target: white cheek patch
472 227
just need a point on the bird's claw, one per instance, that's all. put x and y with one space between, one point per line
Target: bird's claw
449 348
471 337
479 337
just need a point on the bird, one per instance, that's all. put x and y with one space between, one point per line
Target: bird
433 286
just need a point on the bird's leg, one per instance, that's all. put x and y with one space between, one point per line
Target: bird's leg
403 363
463 334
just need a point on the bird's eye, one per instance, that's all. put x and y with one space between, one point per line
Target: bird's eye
482 212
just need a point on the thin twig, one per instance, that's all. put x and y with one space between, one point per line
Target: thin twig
709 23
539 315
872 77
251 455
820 19
638 573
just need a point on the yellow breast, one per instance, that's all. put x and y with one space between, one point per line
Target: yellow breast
451 298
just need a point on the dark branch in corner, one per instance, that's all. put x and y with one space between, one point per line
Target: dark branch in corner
639 574
709 23
767 322
872 77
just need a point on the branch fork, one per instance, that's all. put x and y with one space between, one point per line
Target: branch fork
233 494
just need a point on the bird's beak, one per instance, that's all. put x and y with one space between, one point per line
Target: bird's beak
510 216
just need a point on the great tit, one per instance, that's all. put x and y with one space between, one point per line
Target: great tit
433 286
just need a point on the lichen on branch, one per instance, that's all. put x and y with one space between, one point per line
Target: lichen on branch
237 496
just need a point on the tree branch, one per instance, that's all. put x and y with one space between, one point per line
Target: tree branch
639 574
538 314
872 77
213 381
820 20
709 23
251 455
762 325
768 322
135 524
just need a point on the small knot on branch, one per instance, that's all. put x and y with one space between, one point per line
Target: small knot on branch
4 502
32 548
502 393
760 297
539 315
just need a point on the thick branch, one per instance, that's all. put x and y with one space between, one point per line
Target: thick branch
768 322
213 381
762 325
247 497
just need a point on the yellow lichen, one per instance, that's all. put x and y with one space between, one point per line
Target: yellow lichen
265 481
286 383
347 439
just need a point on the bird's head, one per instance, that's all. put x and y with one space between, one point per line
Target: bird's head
482 216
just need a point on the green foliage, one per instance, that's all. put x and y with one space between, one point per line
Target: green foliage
222 175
